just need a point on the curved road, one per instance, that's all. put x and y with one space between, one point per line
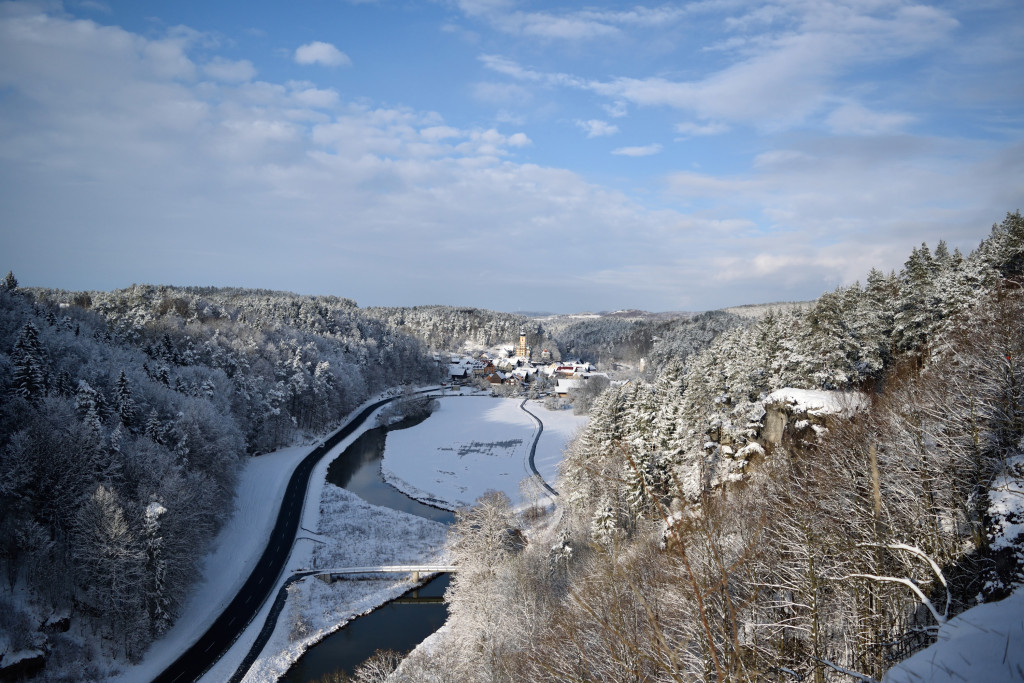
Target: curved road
533 448
194 662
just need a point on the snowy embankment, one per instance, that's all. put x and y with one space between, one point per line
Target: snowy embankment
235 552
985 642
472 445
353 533
231 559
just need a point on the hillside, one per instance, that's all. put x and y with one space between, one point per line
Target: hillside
816 493
125 418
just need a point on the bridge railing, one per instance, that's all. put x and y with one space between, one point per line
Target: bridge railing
414 569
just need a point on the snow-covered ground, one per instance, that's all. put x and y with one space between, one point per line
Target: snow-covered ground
981 644
235 552
349 531
355 534
985 643
471 445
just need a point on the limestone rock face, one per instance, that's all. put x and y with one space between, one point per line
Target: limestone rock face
804 413
789 418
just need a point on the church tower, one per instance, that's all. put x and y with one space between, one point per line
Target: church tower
522 349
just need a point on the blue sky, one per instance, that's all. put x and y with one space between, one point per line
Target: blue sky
509 155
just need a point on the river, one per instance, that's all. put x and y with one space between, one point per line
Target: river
400 624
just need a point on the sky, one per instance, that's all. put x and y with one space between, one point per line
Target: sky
510 155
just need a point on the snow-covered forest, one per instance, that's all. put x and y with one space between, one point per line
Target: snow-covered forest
817 492
793 494
123 421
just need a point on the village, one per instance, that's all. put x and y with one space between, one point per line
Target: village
515 369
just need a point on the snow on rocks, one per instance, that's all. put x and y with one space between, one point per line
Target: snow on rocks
817 403
798 410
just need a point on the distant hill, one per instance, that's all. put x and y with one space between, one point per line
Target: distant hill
757 310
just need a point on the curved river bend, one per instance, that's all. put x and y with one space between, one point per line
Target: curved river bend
401 624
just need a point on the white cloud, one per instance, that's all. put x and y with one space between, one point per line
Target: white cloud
321 53
501 93
317 98
436 133
782 77
595 128
545 25
95 6
853 119
519 140
229 71
616 109
580 25
291 185
644 151
689 128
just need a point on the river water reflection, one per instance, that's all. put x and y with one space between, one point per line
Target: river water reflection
401 624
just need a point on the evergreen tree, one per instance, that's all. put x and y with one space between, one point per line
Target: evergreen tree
914 321
30 373
604 525
157 598
124 403
154 428
9 283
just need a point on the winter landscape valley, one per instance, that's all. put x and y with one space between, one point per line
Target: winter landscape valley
511 341
214 484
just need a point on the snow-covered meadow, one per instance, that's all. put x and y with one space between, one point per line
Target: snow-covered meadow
471 445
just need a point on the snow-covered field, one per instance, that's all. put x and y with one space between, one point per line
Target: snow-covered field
471 445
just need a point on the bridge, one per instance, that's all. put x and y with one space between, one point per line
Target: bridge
331 575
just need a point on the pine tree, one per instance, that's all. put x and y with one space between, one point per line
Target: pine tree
9 283
603 526
30 374
157 599
154 428
124 403
914 321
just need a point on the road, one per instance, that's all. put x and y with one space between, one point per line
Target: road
237 615
533 448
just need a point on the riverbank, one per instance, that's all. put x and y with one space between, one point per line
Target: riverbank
277 655
351 533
